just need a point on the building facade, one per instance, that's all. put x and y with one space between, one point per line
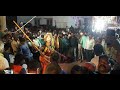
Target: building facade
59 21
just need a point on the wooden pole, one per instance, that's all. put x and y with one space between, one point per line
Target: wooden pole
29 39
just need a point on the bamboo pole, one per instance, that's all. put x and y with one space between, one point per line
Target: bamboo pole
25 24
30 40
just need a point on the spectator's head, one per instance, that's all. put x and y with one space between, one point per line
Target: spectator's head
19 59
85 33
7 47
90 36
22 40
54 57
104 63
53 68
34 67
42 36
103 69
1 47
79 70
90 66
15 38
103 59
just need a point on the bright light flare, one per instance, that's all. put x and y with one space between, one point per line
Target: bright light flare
99 25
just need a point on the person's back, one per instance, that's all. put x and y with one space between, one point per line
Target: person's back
18 62
26 51
98 49
73 41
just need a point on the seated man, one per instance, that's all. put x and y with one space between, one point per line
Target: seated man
34 67
102 69
18 62
54 58
53 68
104 66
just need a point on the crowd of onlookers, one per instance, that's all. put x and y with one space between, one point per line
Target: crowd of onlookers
19 56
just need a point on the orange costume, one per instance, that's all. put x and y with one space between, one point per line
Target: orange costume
45 58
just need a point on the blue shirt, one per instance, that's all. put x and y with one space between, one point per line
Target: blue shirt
26 51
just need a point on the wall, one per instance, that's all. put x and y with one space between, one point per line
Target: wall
3 22
61 21
25 19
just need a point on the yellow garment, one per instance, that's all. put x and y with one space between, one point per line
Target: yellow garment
56 42
1 55
52 43
45 49
14 45
3 62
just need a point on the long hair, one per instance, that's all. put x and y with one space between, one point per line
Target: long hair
1 46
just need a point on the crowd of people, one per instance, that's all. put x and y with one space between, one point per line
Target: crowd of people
48 48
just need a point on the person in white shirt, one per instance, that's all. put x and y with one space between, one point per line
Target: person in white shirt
89 48
3 61
95 60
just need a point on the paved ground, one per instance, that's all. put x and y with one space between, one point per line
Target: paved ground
67 66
